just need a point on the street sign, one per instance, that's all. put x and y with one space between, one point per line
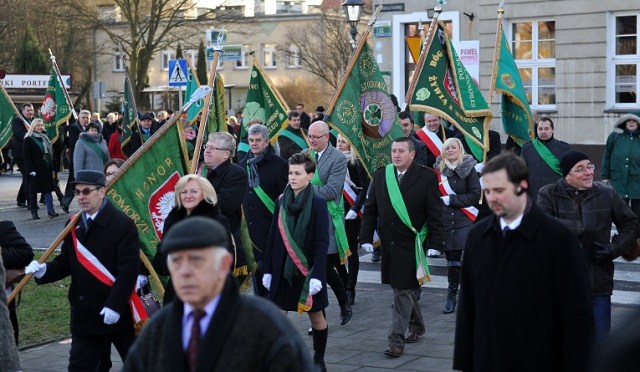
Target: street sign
177 72
228 52
213 35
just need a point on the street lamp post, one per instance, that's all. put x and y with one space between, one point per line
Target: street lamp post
353 10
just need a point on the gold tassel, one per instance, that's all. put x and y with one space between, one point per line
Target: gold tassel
137 327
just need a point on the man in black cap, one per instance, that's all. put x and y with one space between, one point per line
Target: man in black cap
210 326
101 254
588 209
146 130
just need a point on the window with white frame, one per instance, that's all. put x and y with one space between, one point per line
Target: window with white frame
241 63
293 57
534 48
166 56
118 59
623 78
269 55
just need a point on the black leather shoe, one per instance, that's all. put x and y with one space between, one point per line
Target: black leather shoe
345 314
393 351
22 205
449 306
375 256
34 215
53 215
65 208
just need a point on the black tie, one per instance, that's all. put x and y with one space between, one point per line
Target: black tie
400 175
504 231
89 221
317 158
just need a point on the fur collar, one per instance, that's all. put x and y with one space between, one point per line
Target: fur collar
462 170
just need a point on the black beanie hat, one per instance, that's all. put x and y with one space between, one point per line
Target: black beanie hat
569 159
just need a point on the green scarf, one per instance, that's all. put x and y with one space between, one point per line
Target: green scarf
422 268
293 223
547 156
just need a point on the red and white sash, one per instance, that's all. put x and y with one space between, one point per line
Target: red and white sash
446 190
433 142
350 195
97 269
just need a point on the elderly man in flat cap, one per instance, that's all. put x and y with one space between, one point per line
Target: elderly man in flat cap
101 254
210 326
588 209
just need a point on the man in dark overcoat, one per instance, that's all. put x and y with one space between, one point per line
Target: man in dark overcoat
210 326
20 130
268 176
105 241
418 186
524 302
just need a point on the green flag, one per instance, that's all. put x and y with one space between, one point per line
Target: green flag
55 108
7 114
362 111
192 86
516 113
445 88
217 110
265 103
129 114
146 188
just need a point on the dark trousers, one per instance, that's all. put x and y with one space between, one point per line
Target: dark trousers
334 280
24 186
68 190
406 315
634 204
87 351
13 317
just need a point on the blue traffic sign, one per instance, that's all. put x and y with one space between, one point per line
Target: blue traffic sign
178 72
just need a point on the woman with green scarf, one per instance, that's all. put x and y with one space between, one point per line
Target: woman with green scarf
296 254
38 161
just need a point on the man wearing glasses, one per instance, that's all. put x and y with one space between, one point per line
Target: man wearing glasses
588 209
101 254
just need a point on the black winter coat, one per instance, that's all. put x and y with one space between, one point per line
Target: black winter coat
465 182
540 174
19 131
524 302
591 222
16 252
273 178
113 240
230 182
34 161
421 196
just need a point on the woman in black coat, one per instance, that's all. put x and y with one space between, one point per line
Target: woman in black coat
460 189
194 197
16 254
296 257
38 161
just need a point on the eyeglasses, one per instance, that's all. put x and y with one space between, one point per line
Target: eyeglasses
86 191
215 148
317 137
589 167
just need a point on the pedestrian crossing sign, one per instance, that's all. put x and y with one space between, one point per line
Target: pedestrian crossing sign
177 72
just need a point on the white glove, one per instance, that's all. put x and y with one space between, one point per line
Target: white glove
266 281
142 281
314 286
446 200
367 247
110 316
33 174
351 215
35 268
433 253
479 167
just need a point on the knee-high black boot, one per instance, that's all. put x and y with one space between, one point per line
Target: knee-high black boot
319 346
453 274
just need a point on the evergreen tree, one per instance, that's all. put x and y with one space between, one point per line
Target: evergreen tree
201 65
29 58
179 54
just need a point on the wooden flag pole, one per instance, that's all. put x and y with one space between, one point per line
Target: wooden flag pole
494 70
61 82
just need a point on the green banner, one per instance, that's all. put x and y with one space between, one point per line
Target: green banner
146 188
445 88
129 113
192 86
516 113
218 110
55 108
7 114
264 103
363 112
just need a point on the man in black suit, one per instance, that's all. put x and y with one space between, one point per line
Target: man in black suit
146 131
406 122
268 176
305 120
403 201
20 129
101 255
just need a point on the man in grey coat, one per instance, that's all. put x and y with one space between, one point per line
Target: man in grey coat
328 182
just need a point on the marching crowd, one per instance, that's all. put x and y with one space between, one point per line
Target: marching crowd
529 261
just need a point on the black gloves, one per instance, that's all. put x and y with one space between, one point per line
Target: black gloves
601 254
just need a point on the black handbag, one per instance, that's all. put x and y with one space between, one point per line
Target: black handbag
149 300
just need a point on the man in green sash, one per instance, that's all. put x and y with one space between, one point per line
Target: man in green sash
292 138
268 176
404 205
328 182
146 131
543 155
